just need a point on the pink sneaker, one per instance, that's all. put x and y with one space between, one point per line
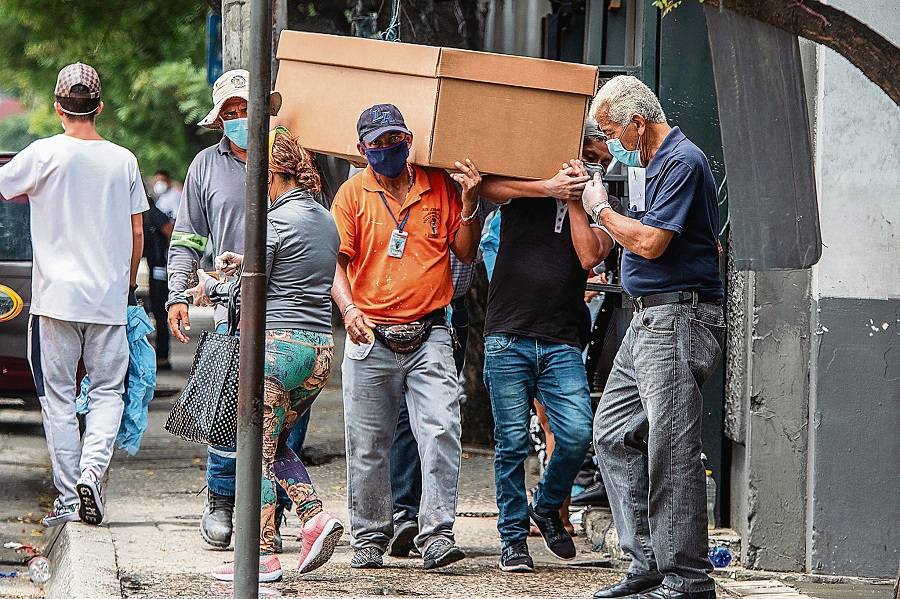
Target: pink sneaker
320 536
269 569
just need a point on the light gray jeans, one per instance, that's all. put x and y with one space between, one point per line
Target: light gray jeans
647 436
55 347
373 388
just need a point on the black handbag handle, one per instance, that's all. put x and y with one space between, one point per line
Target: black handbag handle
234 307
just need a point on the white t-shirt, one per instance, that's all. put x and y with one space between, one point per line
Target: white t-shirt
82 195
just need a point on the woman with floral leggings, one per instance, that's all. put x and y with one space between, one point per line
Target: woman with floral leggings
301 255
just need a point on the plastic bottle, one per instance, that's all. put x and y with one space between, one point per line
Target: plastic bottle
39 568
710 500
719 557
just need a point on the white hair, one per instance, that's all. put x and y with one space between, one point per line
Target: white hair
625 96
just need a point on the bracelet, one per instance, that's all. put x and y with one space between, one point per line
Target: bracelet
347 309
466 220
598 209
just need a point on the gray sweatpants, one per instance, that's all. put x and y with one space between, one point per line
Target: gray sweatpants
54 347
373 387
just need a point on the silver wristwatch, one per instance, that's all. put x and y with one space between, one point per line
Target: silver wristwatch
595 212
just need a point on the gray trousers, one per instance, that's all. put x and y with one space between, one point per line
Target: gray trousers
647 436
373 388
54 347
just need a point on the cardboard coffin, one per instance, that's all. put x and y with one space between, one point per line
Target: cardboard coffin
513 116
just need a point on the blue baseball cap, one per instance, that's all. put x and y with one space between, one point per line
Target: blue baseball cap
378 120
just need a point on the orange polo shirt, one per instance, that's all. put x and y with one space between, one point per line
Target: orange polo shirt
398 290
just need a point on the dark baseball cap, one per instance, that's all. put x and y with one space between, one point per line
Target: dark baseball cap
377 120
78 74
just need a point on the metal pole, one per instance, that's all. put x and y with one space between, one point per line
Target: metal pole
253 310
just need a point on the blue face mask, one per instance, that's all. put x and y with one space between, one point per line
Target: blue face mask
236 131
626 157
389 161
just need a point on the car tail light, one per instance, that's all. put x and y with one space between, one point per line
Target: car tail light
15 374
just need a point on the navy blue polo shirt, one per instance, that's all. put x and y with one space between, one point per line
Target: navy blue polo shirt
680 196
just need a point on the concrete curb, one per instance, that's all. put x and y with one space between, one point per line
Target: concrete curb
84 564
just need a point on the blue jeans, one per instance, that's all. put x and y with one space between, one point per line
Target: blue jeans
647 437
517 370
406 470
221 461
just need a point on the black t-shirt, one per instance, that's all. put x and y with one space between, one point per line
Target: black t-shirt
537 289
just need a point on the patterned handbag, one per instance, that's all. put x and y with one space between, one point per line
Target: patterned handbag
206 411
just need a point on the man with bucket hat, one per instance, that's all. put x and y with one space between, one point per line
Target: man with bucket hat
86 200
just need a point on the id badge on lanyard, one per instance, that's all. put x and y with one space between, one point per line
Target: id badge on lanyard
397 244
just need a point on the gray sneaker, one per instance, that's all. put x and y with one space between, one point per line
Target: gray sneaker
367 557
90 495
216 525
442 552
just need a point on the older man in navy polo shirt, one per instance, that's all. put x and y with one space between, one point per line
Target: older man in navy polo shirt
647 427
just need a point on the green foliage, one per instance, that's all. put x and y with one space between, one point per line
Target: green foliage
151 58
14 134
667 6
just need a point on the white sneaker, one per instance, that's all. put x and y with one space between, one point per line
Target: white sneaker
61 513
90 494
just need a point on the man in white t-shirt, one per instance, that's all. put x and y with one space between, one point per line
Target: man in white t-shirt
86 200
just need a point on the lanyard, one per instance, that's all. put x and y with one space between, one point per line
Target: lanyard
391 212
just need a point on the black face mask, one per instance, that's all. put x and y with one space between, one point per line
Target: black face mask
390 161
593 168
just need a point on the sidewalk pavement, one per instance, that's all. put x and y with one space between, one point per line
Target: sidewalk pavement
150 547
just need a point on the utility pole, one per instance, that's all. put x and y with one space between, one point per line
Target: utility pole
253 52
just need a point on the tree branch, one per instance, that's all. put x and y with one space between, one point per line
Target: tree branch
865 48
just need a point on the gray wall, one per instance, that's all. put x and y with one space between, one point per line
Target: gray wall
854 440
813 392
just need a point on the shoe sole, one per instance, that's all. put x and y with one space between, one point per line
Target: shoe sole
452 556
209 541
323 547
517 568
90 508
403 544
272 576
51 521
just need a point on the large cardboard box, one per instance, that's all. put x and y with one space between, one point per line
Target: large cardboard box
513 116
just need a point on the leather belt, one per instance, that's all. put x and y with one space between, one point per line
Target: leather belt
673 297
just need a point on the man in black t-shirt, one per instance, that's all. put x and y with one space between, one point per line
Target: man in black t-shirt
532 349
157 232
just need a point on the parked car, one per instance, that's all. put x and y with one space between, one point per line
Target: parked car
15 292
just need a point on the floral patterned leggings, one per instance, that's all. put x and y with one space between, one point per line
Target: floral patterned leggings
298 363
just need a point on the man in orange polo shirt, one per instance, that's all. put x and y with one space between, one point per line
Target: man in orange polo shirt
398 224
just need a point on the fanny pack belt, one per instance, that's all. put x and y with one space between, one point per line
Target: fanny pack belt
408 337
673 297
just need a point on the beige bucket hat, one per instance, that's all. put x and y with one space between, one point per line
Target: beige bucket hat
230 84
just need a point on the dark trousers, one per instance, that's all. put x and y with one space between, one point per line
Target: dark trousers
406 470
159 292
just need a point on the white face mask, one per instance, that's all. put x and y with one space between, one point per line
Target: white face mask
160 187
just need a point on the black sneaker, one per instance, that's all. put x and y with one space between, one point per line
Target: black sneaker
556 537
405 532
367 557
515 558
442 552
